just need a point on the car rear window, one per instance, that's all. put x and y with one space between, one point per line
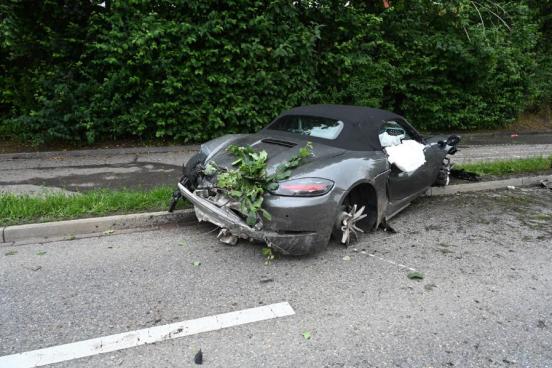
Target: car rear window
311 126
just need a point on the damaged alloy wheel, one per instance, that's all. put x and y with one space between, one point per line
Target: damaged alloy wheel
348 219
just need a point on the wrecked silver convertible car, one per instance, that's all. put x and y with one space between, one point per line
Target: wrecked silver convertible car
366 166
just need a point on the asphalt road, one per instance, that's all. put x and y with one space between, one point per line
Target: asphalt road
485 299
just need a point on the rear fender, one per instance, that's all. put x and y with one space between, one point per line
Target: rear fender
379 183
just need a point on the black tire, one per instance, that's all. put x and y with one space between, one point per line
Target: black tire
193 167
443 178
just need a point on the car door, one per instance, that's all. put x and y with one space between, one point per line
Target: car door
406 184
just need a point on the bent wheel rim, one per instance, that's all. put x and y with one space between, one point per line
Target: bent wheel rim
348 221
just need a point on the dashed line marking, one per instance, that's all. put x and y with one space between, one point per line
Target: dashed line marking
390 261
106 344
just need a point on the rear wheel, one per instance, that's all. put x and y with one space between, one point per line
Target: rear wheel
357 214
346 229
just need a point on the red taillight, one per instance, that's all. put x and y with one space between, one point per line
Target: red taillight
304 187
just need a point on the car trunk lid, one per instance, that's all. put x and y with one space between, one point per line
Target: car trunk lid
279 149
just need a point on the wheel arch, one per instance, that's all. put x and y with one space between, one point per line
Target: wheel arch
369 193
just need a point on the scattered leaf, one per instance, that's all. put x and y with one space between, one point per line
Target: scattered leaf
196 263
429 287
198 358
107 232
210 169
268 254
71 237
10 253
182 243
307 335
40 253
346 258
415 275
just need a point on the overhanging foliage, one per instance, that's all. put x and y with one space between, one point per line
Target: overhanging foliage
192 70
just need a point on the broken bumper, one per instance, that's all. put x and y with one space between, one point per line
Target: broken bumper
296 243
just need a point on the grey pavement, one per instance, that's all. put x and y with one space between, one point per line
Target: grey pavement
485 300
145 167
77 171
505 138
500 152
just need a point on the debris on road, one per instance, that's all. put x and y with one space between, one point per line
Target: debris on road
511 187
307 335
387 228
196 263
268 254
415 275
198 359
546 184
346 258
34 268
464 175
429 287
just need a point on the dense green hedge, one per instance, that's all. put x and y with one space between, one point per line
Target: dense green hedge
190 70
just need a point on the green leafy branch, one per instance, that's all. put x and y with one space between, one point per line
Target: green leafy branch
248 181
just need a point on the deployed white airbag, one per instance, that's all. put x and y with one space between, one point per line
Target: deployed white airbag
387 140
407 156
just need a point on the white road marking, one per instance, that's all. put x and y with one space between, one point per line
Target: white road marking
388 261
106 344
391 262
383 259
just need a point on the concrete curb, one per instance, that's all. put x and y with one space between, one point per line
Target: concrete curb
68 230
487 185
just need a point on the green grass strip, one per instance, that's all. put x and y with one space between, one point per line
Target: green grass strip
20 209
506 167
17 209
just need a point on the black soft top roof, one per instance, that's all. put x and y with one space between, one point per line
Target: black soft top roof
361 124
